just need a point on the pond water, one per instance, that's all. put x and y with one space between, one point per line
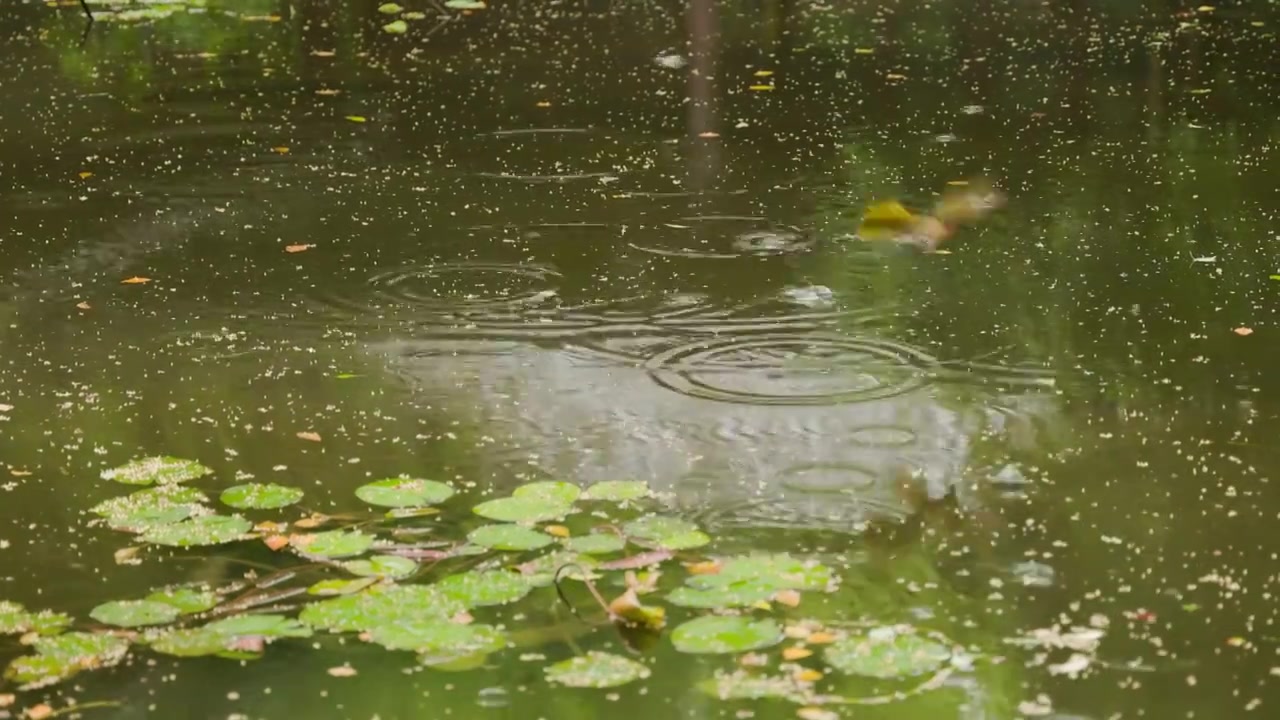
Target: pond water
322 244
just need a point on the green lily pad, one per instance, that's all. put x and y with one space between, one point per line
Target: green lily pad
780 571
389 8
157 471
465 4
555 491
668 533
617 490
439 639
541 571
186 599
381 606
341 587
596 544
337 543
484 587
144 519
268 626
194 642
596 670
509 537
61 656
222 638
886 653
743 594
15 619
134 613
260 496
522 509
159 497
382 566
742 685
203 530
404 492
396 27
725 634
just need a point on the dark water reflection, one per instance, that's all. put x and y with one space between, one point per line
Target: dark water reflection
596 241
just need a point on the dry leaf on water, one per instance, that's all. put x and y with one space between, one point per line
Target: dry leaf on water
297 248
276 542
308 435
83 305
128 556
38 712
1243 331
796 653
342 671
7 699
135 280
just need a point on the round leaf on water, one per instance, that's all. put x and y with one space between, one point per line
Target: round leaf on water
540 571
386 566
484 587
144 519
404 492
725 634
340 587
186 599
596 544
779 571
203 530
380 606
561 492
596 670
134 613
744 594
617 490
508 537
61 656
155 498
193 642
269 626
396 27
15 619
335 543
742 685
260 496
668 533
886 655
522 509
439 639
157 471
389 8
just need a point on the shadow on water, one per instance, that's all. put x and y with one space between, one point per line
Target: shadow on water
598 241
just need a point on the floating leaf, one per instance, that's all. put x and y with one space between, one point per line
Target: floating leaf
396 27
144 519
666 532
485 587
617 490
522 509
61 656
334 543
156 498
404 492
561 492
741 685
465 4
387 566
379 606
725 634
389 8
541 571
157 471
260 496
186 599
270 626
596 544
886 653
509 537
341 587
15 619
203 530
778 571
596 670
134 613
439 639
357 118
744 594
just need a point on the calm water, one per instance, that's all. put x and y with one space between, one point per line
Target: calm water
590 241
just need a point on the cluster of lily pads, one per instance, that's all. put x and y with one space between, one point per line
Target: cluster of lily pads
410 577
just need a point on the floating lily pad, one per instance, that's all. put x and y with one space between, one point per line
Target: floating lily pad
465 4
186 599
485 587
203 530
260 496
439 639
744 594
223 638
61 656
157 471
523 509
742 685
668 533
596 670
268 626
396 27
725 634
389 8
144 519
617 490
341 587
780 571
134 613
509 537
194 642
15 619
404 492
387 566
596 544
541 571
381 606
335 543
162 496
886 653
561 492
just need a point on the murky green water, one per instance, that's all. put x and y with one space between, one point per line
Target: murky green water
587 241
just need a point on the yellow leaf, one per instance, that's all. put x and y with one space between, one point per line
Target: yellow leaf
796 653
895 76
820 638
763 73
863 51
710 567
281 149
543 104
357 118
559 531
1242 331
135 280
297 248
85 175
628 608
808 675
761 88
323 53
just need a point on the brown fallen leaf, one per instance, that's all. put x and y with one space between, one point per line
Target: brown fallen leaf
820 638
796 653
790 598
7 699
276 542
628 609
1242 331
38 712
20 473
135 280
342 671
709 134
300 540
753 660
128 556
83 305
297 248
544 104
308 435
311 522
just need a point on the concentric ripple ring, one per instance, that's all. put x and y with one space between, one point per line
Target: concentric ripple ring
465 285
